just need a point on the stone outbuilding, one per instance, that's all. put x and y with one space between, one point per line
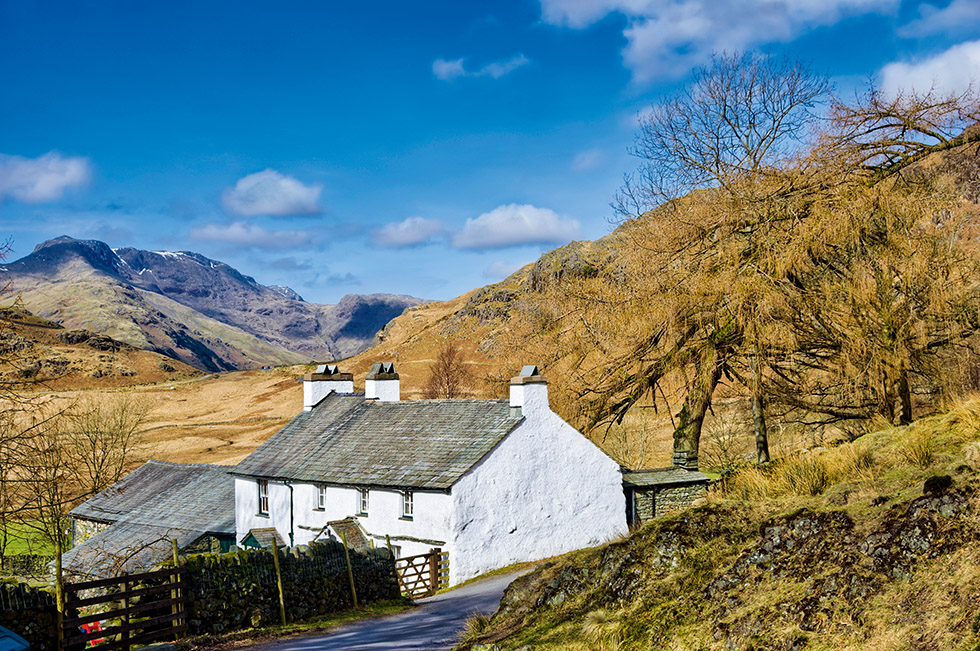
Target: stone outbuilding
661 491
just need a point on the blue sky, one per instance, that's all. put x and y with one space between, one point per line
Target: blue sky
418 148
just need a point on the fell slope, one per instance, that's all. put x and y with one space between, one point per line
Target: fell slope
871 545
41 353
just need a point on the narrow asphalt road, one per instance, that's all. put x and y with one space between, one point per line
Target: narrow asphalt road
435 625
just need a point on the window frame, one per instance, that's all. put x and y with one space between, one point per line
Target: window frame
363 501
263 494
408 505
321 497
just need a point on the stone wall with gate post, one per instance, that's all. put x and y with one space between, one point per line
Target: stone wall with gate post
237 590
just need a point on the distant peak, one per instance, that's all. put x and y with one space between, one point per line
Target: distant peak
288 292
64 239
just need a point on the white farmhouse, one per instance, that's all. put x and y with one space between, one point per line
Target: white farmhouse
493 482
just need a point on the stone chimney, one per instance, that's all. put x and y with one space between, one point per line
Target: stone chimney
326 379
382 383
529 390
686 459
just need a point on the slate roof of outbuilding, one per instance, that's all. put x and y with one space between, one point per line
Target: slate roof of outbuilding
347 440
125 547
662 477
160 493
155 503
264 537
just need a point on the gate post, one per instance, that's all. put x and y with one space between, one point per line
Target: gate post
434 555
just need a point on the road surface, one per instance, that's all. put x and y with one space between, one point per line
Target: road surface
435 625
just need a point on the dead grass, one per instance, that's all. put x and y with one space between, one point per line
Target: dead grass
805 474
475 624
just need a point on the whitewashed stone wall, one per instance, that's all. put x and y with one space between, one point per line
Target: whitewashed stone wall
544 490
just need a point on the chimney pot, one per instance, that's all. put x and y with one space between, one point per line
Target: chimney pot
326 379
530 386
382 383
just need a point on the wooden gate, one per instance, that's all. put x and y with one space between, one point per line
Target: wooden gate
137 613
423 575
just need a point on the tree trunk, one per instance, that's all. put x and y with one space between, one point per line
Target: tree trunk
886 404
687 435
759 414
904 398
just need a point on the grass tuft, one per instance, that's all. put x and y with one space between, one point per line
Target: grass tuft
475 624
918 448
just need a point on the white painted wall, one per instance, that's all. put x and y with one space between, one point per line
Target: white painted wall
428 528
383 390
247 508
544 490
316 390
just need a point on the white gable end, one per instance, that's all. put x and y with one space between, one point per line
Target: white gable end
544 490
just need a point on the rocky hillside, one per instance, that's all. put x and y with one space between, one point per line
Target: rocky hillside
190 307
36 352
874 544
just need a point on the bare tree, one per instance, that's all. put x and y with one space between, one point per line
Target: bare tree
721 169
777 251
448 377
744 117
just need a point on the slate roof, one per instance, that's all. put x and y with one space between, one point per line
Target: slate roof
347 440
351 528
264 537
662 477
160 493
126 547
155 503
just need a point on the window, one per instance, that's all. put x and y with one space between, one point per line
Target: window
321 497
363 500
408 505
263 497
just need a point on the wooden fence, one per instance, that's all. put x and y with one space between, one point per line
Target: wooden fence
142 608
423 575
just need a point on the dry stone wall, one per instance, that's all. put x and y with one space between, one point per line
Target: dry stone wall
29 612
238 590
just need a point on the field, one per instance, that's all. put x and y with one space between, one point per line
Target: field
24 540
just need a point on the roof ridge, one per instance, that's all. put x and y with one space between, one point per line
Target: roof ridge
185 465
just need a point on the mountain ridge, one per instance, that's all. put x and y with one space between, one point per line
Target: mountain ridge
85 283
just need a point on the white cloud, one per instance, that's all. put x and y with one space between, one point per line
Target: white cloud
956 16
666 38
408 232
449 70
501 269
42 179
586 160
513 225
950 71
250 235
271 193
